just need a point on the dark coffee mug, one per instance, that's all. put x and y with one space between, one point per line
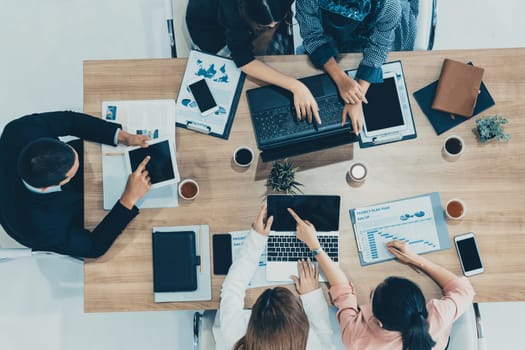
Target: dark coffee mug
243 156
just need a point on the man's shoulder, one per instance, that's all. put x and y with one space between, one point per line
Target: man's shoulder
41 220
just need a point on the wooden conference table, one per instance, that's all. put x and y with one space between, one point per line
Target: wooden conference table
490 179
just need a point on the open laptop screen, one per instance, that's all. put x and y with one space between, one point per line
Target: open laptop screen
321 211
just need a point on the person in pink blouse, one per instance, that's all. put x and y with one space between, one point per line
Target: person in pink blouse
398 317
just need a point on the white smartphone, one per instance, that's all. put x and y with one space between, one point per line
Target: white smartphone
203 96
468 252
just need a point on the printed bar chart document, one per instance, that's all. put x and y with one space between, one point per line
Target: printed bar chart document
419 221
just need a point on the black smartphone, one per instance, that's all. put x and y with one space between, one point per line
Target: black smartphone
202 95
222 253
468 252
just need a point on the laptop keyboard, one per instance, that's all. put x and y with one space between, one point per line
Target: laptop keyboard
279 124
289 248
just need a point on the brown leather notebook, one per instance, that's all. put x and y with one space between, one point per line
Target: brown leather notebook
458 88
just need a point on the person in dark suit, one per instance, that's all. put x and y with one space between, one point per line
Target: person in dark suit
41 181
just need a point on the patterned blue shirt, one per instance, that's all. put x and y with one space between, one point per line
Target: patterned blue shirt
321 47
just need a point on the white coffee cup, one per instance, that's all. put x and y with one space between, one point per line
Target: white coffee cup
243 156
455 209
358 171
453 147
188 189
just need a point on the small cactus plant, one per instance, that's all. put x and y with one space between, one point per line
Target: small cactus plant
491 128
282 177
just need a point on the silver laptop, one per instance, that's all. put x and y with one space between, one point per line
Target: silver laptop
284 249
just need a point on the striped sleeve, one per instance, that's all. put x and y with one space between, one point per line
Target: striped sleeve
376 52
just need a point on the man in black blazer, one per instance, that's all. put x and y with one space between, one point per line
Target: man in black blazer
41 181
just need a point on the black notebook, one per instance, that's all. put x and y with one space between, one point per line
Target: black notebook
441 121
174 261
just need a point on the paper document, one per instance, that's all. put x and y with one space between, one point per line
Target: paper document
225 82
155 118
259 278
412 220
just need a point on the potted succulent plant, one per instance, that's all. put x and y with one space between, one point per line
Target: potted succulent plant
282 177
491 128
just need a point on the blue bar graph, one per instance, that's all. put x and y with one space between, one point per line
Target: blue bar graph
376 237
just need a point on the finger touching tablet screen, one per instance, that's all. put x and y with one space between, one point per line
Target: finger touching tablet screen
161 166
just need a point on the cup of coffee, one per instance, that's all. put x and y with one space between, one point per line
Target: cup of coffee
188 189
243 156
455 209
453 147
358 171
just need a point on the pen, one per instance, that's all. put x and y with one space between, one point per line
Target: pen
114 154
410 265
200 247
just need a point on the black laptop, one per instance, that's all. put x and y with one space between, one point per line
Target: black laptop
278 132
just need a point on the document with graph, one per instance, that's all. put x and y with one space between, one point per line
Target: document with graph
419 221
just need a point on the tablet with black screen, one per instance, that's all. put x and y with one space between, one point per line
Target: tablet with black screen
322 211
383 113
160 167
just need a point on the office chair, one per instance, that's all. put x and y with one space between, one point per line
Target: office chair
467 331
426 25
202 330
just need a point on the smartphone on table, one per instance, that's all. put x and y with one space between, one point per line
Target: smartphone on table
222 253
468 253
203 96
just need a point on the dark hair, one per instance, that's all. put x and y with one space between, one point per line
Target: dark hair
45 162
265 11
277 322
400 306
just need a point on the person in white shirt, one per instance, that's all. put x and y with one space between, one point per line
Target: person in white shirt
279 318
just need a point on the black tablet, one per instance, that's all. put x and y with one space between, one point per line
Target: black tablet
322 211
160 167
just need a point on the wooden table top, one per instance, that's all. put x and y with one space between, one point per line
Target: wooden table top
490 178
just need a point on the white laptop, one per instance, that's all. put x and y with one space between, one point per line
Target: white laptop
284 249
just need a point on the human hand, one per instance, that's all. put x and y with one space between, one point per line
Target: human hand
403 252
262 224
305 231
305 103
350 90
308 277
139 183
127 139
355 112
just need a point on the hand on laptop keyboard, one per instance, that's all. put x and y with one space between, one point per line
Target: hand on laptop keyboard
355 112
308 279
305 103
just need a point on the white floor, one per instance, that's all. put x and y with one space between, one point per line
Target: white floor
43 45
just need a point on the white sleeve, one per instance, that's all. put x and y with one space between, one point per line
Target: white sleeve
234 288
316 309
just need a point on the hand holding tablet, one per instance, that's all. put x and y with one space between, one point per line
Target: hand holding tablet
139 183
161 165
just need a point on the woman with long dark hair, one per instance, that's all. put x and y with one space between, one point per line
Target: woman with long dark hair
398 317
279 318
243 29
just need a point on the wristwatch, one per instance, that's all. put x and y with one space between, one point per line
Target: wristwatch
316 252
